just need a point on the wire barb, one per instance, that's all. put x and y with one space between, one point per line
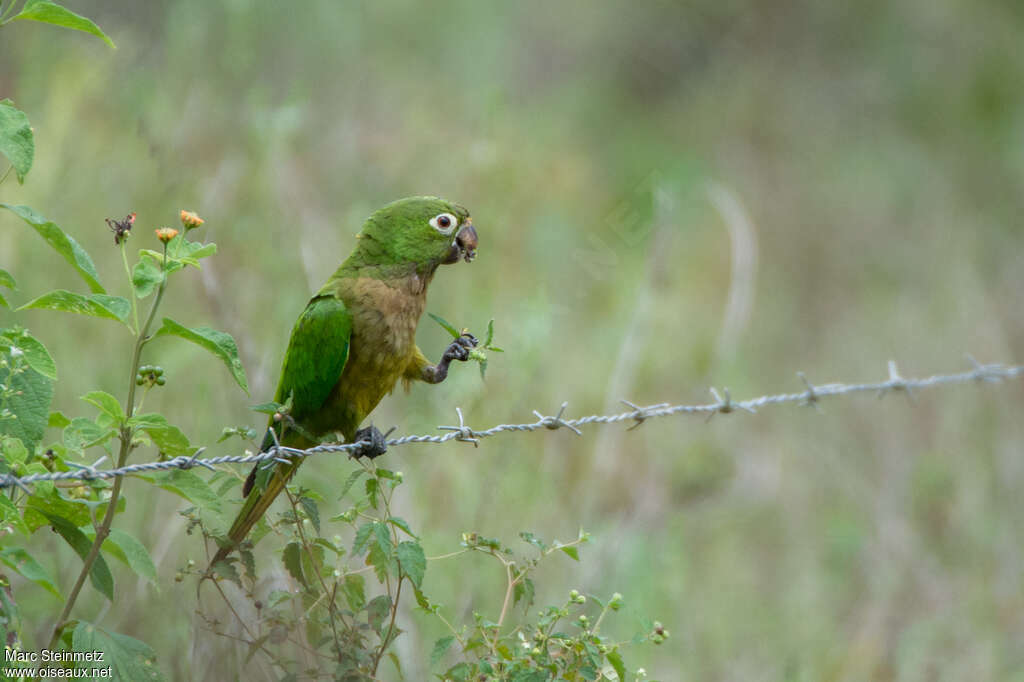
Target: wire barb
724 404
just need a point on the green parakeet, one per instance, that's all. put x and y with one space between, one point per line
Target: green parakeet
357 338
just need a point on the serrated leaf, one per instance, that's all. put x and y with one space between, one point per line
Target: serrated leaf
169 438
106 403
63 243
351 481
377 611
412 561
440 648
16 140
354 589
312 511
82 434
524 590
146 277
95 305
219 343
22 563
445 324
225 568
52 13
293 562
99 573
129 658
29 400
362 537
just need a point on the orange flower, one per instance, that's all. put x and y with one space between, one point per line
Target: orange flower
190 220
166 234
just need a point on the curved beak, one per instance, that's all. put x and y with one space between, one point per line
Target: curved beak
466 241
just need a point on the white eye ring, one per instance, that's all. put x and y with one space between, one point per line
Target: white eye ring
445 223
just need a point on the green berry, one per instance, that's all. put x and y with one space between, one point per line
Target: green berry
160 381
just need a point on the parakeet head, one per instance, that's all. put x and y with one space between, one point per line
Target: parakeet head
421 231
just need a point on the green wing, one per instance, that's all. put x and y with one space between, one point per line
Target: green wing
316 356
313 363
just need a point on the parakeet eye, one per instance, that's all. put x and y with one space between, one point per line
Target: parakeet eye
444 223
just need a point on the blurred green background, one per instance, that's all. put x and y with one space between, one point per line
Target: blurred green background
669 196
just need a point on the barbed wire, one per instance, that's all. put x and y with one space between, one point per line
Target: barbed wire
723 404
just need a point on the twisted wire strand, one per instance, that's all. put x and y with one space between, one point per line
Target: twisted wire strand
723 404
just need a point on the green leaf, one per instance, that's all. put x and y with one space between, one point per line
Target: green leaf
218 343
444 323
167 437
524 589
267 408
52 13
129 658
312 511
132 552
146 277
99 574
190 486
82 434
36 355
10 515
63 243
47 503
615 658
57 420
362 537
440 647
22 563
351 481
354 589
6 280
30 399
572 551
377 611
402 524
96 305
459 672
225 568
16 140
413 561
106 403
293 562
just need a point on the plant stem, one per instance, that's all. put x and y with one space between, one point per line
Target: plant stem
131 284
115 492
6 173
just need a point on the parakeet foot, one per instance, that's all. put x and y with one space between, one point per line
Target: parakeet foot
459 348
374 444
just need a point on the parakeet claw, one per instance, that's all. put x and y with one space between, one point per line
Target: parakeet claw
459 348
373 443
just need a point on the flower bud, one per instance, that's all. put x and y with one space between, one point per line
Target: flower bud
190 220
166 234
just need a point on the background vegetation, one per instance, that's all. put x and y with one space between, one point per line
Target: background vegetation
878 150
